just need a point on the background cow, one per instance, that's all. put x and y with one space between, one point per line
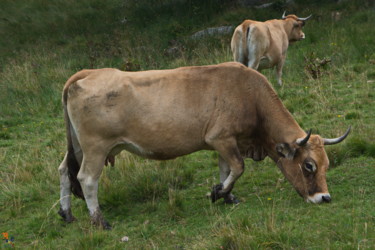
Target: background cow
262 45
163 114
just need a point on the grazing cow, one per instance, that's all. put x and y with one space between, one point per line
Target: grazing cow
163 114
262 45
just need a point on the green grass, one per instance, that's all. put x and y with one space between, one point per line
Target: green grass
163 204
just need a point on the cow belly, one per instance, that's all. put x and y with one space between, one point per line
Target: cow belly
132 148
156 152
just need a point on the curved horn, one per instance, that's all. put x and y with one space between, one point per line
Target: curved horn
337 140
283 17
304 18
303 141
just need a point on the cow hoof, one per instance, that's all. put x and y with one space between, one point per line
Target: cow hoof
105 225
102 224
215 193
98 220
66 215
231 199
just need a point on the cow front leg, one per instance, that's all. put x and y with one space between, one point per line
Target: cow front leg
88 177
224 173
230 154
65 210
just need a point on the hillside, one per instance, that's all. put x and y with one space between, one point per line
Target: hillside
163 204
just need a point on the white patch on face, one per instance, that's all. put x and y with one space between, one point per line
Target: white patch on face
317 198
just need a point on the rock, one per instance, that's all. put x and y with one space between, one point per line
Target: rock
213 31
125 239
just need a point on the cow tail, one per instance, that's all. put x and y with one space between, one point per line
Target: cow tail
247 32
245 43
72 162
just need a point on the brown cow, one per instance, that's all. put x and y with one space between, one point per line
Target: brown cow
262 45
163 114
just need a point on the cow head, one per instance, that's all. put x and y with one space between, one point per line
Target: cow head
294 27
304 163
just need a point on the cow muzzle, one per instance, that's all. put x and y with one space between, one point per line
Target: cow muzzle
319 198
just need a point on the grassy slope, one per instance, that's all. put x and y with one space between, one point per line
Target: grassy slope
162 204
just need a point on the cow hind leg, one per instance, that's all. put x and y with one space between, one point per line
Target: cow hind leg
88 177
254 56
65 210
254 62
279 71
224 173
239 56
230 154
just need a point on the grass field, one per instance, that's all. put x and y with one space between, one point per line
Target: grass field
163 204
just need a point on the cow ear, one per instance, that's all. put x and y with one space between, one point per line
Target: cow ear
285 150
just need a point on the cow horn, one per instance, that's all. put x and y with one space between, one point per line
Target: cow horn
304 18
303 141
283 17
337 140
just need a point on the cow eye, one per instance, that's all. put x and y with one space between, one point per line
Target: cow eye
310 166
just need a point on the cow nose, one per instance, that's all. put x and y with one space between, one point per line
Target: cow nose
326 198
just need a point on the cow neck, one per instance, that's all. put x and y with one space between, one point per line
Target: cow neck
278 124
